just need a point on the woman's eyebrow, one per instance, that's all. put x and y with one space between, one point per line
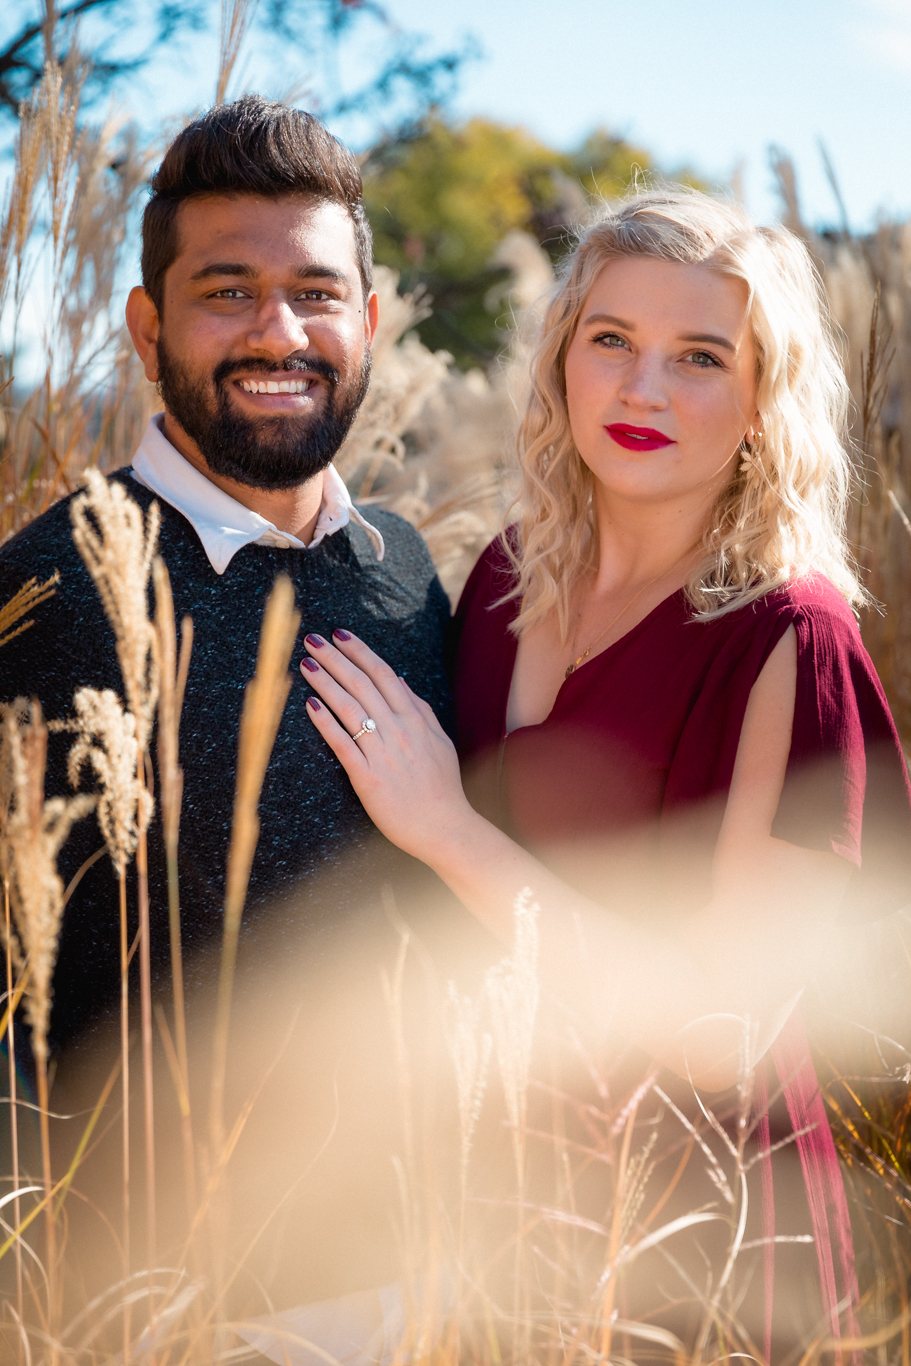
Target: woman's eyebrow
607 318
712 340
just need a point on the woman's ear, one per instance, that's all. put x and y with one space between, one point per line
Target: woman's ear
143 323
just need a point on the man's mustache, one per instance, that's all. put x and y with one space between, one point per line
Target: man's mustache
314 365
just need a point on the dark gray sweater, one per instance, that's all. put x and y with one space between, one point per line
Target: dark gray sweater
319 856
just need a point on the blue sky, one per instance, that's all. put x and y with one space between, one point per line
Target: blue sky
711 84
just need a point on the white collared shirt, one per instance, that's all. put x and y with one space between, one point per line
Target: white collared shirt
222 524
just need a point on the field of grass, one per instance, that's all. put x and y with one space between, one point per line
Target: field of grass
592 1197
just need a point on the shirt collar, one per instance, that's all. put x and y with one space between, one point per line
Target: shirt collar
223 525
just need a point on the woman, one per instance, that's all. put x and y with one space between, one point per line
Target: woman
660 660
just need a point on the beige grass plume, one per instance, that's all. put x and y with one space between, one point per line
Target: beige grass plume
512 990
470 1049
29 596
118 546
35 831
106 742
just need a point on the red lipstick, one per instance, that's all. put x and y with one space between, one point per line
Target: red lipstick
637 438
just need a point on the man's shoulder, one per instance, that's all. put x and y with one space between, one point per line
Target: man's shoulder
405 548
51 531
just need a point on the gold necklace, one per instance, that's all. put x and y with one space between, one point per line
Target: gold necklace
623 610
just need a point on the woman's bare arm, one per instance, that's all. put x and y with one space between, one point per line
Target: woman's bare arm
746 955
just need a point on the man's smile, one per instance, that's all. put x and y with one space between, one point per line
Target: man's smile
271 386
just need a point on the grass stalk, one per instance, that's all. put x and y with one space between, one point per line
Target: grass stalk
125 1085
264 702
170 703
145 1016
13 1114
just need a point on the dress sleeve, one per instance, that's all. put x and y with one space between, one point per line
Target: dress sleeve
846 789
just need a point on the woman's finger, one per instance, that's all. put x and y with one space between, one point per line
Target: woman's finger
351 711
346 673
382 676
337 738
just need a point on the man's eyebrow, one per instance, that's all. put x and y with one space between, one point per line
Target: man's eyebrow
240 270
318 272
705 337
214 268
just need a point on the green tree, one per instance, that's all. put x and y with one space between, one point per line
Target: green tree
442 200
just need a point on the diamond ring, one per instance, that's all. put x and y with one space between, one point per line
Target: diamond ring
367 726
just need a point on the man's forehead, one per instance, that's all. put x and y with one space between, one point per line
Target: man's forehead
248 227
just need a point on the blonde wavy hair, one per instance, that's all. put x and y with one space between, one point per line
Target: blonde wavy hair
783 513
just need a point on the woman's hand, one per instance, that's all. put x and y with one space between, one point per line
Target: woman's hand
406 771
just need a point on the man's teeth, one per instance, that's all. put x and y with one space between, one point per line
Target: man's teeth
272 386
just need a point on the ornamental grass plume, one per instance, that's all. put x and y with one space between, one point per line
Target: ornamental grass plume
106 743
28 596
34 831
118 545
470 1049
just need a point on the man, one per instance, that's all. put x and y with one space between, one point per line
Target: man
255 318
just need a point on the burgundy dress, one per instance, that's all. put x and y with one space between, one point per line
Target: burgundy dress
639 750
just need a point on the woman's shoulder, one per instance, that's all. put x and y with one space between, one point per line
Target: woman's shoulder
492 577
809 602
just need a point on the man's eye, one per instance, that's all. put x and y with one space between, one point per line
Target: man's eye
230 293
315 295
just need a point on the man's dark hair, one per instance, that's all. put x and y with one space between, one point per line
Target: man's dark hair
253 146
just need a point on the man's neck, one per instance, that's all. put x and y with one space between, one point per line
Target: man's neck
293 511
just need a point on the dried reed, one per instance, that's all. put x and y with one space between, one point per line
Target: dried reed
106 742
512 992
173 680
34 832
264 702
236 17
28 596
118 545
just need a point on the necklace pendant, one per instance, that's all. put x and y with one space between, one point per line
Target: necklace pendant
570 670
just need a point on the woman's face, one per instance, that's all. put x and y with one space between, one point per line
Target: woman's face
661 380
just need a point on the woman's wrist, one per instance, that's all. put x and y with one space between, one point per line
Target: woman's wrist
449 838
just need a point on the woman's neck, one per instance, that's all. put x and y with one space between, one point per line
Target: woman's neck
638 542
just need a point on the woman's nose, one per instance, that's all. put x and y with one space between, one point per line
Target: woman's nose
645 382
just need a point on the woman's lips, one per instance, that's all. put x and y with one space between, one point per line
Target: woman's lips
637 438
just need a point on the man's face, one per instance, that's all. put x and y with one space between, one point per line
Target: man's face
263 346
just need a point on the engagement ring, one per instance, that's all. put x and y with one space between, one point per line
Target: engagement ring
366 727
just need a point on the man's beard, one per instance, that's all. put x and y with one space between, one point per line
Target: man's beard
278 452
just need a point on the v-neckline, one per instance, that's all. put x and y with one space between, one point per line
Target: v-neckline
602 654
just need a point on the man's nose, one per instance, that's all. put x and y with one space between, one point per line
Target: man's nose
645 382
277 330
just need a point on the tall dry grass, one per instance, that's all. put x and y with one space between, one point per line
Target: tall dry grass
433 444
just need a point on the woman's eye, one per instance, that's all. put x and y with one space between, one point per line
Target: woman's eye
612 340
704 360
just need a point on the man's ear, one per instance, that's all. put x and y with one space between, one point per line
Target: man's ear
371 316
142 320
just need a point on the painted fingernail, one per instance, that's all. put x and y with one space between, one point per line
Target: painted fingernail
312 702
342 635
316 641
310 664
